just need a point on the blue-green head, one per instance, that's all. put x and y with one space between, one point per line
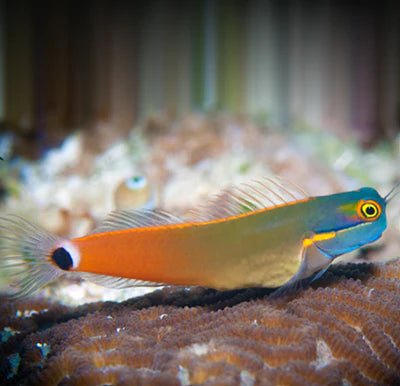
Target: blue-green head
357 218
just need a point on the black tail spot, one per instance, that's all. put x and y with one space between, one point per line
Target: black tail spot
62 258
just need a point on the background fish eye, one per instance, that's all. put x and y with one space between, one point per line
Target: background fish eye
136 182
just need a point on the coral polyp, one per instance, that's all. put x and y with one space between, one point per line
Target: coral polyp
344 327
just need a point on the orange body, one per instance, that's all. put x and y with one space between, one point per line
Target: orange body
251 249
156 254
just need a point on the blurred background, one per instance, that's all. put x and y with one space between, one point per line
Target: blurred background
333 65
125 104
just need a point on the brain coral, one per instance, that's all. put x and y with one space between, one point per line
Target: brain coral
342 330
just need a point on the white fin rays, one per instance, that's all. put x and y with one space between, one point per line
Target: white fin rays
248 197
117 282
24 249
126 219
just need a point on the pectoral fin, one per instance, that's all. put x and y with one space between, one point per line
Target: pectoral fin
313 259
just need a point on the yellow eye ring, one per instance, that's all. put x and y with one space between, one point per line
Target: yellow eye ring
369 210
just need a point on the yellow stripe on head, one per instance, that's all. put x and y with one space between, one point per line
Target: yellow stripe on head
318 237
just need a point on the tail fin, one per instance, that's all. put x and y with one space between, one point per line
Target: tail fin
24 255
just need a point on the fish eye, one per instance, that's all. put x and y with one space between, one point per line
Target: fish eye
368 210
136 182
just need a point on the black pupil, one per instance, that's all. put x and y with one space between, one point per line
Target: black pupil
370 210
62 258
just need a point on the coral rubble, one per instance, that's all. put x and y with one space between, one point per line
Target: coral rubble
342 329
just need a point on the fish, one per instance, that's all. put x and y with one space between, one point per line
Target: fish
135 192
263 234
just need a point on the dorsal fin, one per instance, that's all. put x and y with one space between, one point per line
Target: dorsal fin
126 219
116 282
248 197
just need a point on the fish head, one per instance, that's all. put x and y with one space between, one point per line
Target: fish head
135 192
356 218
